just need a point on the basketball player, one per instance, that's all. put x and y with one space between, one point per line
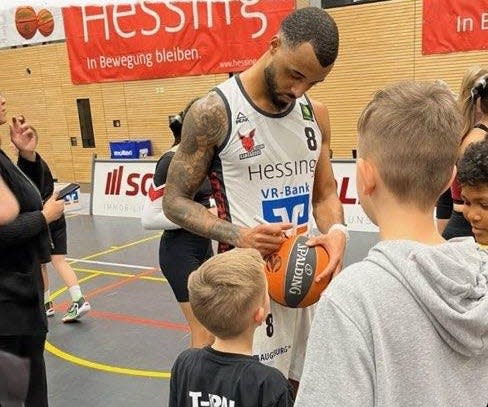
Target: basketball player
265 146
407 325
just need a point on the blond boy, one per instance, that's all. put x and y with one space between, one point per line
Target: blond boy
407 326
228 295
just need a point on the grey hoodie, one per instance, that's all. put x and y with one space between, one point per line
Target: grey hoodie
407 326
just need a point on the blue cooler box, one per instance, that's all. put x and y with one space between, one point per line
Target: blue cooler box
130 149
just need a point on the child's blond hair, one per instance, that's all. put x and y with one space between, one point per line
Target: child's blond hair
226 289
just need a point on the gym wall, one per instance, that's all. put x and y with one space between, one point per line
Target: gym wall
380 44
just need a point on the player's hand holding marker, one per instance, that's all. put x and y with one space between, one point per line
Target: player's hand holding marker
265 237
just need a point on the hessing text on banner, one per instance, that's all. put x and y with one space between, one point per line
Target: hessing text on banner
157 39
454 25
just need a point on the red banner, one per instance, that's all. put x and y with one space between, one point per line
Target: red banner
454 25
169 38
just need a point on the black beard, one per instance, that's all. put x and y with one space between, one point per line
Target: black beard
269 80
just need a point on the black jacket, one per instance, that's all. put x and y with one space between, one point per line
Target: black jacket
22 244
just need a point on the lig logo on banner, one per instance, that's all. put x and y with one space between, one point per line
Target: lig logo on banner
157 39
454 25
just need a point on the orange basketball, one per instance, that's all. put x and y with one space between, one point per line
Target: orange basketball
45 22
26 21
291 273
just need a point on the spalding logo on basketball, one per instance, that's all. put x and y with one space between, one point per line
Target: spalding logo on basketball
291 273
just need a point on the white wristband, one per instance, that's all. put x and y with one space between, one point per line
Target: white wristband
342 228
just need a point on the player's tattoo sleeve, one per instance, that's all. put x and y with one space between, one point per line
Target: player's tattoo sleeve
204 128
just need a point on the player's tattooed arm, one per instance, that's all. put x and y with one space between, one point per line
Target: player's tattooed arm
204 128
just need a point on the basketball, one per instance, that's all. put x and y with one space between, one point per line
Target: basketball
291 273
26 21
45 22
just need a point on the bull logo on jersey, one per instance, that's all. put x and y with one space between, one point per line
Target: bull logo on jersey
247 140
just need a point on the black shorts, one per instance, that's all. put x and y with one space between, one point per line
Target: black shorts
58 236
180 253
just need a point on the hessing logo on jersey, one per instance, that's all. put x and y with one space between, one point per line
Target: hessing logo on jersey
241 118
247 141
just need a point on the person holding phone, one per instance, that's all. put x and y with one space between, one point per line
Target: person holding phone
24 241
79 305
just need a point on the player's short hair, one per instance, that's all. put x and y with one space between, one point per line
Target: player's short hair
473 166
313 25
225 289
411 130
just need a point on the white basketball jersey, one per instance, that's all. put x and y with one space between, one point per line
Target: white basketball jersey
266 165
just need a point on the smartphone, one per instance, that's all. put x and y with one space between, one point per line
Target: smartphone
68 189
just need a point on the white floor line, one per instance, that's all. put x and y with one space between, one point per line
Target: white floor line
106 263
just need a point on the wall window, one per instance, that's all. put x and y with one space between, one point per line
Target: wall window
86 126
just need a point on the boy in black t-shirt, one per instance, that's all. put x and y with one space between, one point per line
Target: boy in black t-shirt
228 295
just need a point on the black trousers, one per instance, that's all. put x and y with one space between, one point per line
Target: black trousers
31 347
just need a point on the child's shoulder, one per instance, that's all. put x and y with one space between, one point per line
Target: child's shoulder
268 381
264 373
189 355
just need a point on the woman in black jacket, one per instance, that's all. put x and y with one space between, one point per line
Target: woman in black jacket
24 241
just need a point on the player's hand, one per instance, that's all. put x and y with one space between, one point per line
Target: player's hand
53 208
264 238
24 137
335 243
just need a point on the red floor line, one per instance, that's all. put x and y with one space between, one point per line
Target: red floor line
137 320
124 317
130 319
103 288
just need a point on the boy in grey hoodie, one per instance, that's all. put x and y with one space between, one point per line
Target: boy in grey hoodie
408 325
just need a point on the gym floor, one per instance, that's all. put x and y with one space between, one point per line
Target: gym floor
121 352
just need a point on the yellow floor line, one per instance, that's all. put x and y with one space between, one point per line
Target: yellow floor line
115 274
96 365
124 246
103 367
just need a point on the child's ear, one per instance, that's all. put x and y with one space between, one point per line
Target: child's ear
367 173
259 315
451 180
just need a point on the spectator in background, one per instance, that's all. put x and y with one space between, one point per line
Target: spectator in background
180 251
24 241
79 305
473 103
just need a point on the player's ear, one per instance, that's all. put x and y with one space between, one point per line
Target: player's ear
274 44
367 173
